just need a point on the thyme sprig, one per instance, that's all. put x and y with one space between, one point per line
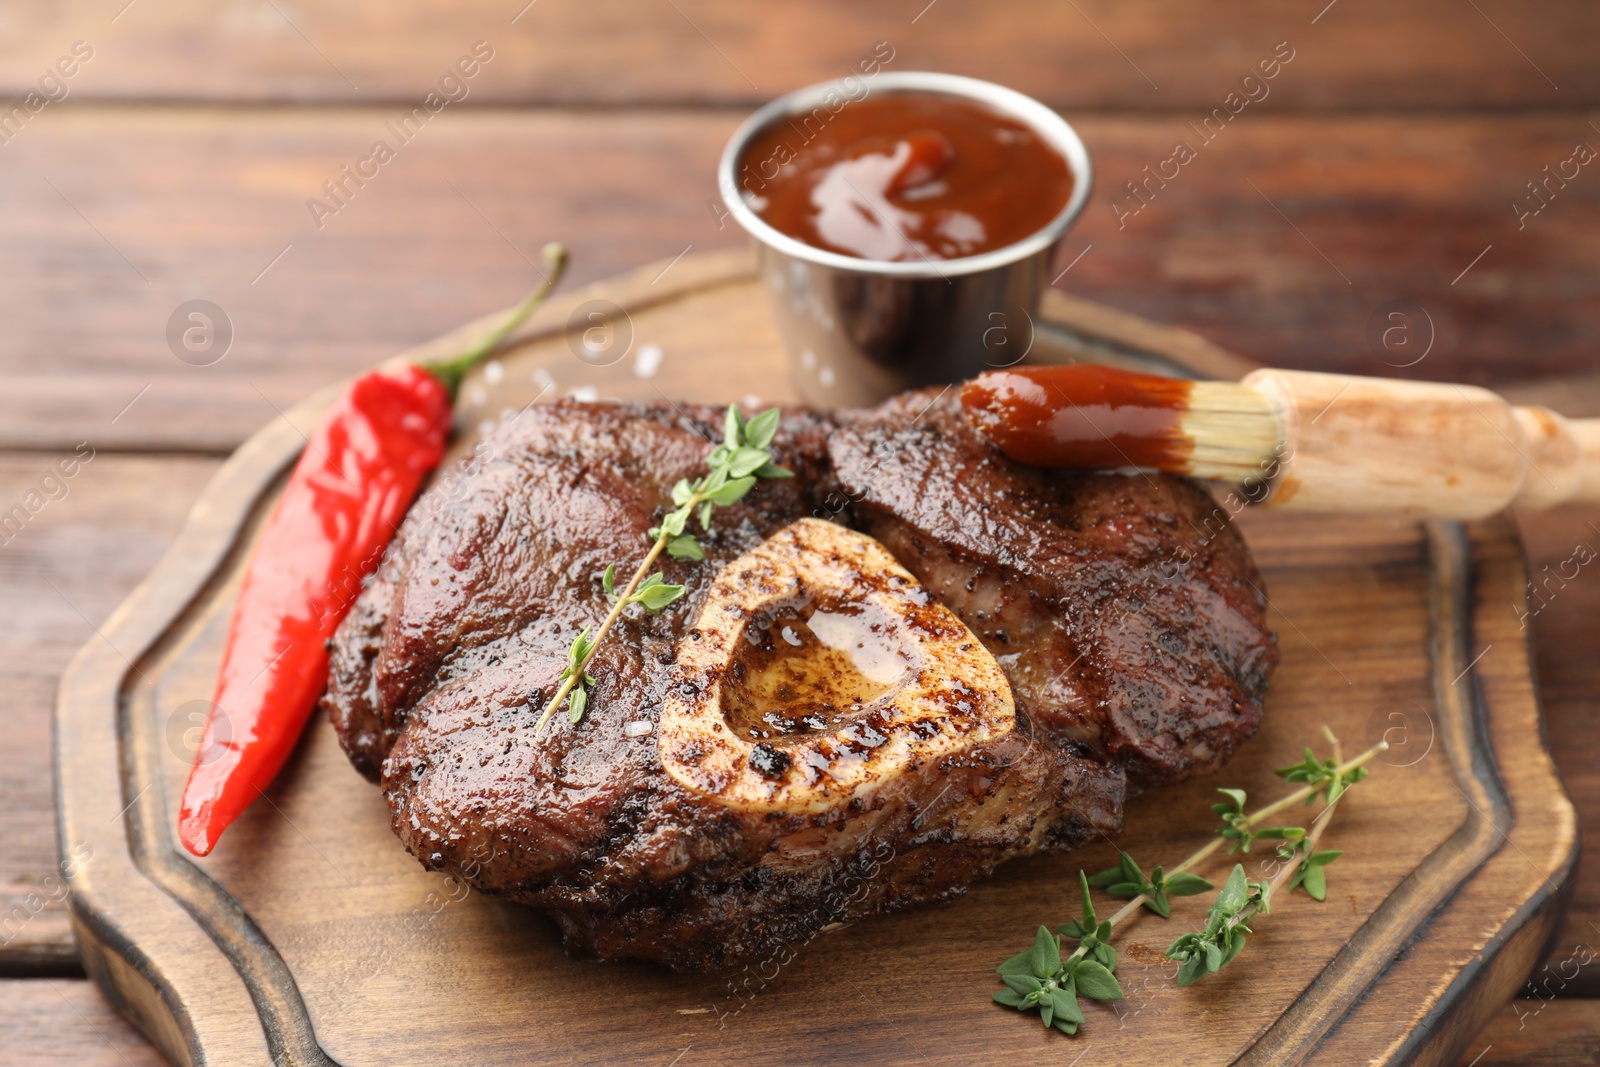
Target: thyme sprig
1324 774
1240 830
1040 979
733 467
1208 950
1127 880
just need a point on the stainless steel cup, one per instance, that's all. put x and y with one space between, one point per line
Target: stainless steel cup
859 330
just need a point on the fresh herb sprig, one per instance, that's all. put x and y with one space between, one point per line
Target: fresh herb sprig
1323 774
1239 830
1127 880
733 467
1039 980
1208 950
1309 873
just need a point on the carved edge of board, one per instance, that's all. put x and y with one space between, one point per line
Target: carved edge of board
135 888
1456 601
1541 829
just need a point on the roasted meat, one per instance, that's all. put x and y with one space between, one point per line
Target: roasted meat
905 665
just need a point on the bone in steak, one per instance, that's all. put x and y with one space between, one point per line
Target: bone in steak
812 734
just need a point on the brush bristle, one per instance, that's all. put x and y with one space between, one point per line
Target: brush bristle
1236 431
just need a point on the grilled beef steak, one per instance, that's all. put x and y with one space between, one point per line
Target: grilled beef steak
818 730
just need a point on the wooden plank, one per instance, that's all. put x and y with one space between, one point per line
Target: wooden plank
1530 1033
1096 53
61 1021
55 1021
94 536
206 201
1564 606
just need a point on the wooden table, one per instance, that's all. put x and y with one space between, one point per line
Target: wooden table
1384 172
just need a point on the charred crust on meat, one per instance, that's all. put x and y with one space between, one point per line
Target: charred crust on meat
769 762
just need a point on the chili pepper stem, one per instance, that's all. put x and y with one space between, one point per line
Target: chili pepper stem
610 619
452 371
1271 809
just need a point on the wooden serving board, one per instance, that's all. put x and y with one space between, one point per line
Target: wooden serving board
311 937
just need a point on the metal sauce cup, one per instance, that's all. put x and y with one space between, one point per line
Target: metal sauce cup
859 330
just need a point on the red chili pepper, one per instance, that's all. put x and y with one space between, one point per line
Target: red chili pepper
358 475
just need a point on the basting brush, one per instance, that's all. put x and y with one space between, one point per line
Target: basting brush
1295 439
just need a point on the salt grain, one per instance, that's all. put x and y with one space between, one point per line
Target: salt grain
648 361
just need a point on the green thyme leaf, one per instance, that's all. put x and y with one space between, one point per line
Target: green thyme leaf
1009 997
1018 964
1068 1016
1285 833
658 596
746 461
1233 894
582 645
1096 982
1235 795
685 547
671 526
1209 950
1023 984
1184 884
759 431
734 490
1108 877
1045 958
1313 771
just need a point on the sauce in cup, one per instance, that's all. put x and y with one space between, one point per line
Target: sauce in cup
905 177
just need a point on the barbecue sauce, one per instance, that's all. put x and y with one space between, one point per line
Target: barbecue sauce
1082 416
904 177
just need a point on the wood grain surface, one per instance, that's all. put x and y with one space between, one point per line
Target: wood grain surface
1386 632
95 536
1283 242
1096 53
55 1021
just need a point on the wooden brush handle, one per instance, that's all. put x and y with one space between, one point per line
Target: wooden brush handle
1422 448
